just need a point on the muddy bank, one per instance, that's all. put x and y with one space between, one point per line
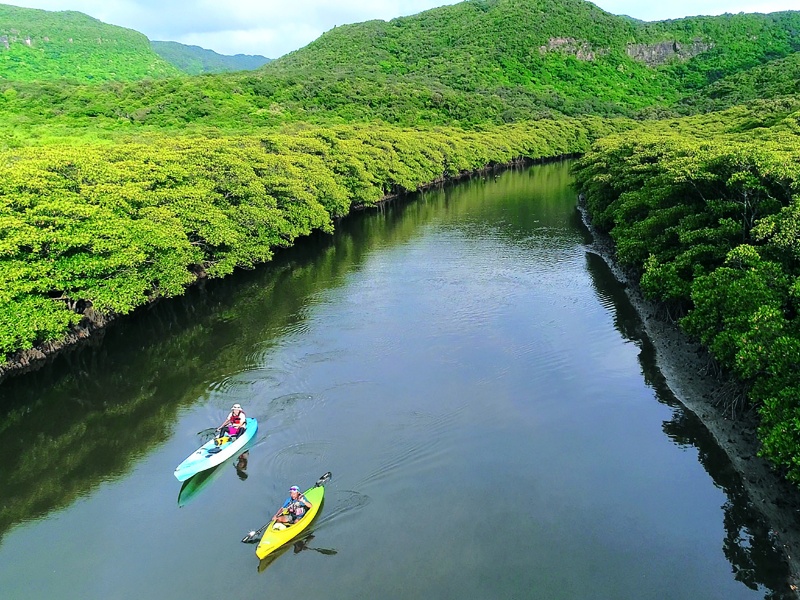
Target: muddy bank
684 365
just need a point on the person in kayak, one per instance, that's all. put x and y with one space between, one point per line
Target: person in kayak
293 509
236 422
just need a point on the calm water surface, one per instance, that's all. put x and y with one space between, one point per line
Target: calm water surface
476 382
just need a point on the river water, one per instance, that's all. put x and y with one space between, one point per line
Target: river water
475 380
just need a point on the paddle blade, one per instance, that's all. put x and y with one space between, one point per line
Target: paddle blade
249 537
323 480
254 536
328 551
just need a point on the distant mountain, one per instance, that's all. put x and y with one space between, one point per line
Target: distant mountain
44 45
195 60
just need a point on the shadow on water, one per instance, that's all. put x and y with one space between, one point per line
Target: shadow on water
297 547
748 544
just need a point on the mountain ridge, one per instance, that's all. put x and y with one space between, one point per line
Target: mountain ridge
465 64
196 60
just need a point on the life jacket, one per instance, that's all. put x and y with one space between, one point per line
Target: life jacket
237 419
296 507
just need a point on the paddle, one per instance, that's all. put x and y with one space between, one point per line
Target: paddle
254 536
302 544
208 431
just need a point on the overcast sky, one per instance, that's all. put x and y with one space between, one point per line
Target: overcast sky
272 28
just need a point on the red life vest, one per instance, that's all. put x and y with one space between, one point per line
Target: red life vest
237 419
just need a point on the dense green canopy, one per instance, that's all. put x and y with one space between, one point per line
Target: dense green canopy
710 219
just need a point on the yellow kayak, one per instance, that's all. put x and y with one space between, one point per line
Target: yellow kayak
275 538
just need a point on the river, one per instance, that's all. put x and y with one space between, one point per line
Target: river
477 383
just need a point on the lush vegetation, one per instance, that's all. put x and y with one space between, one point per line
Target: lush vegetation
710 220
129 188
775 79
43 45
195 60
109 228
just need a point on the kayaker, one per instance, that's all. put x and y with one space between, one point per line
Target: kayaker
293 509
236 422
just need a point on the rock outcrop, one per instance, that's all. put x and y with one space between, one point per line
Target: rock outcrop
570 46
661 53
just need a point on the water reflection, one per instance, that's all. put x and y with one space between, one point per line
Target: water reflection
192 487
241 465
748 543
297 547
91 413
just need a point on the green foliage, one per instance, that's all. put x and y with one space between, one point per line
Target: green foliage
712 223
735 43
43 45
465 65
195 60
112 227
775 79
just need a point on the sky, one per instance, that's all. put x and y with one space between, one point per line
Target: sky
272 28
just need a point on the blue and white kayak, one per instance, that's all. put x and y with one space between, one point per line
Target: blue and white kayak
213 453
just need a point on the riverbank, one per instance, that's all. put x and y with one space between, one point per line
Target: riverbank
93 323
113 228
684 365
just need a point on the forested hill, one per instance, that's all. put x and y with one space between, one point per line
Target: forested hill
195 60
566 55
477 62
43 45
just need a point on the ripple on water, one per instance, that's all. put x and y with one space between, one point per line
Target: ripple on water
286 410
225 384
282 463
424 444
340 504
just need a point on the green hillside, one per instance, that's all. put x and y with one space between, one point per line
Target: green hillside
195 60
775 79
566 55
42 45
467 64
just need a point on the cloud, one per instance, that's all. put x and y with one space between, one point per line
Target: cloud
273 28
253 41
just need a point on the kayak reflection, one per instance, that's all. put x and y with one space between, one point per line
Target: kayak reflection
193 486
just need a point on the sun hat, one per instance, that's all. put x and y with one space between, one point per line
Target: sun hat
294 488
239 406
